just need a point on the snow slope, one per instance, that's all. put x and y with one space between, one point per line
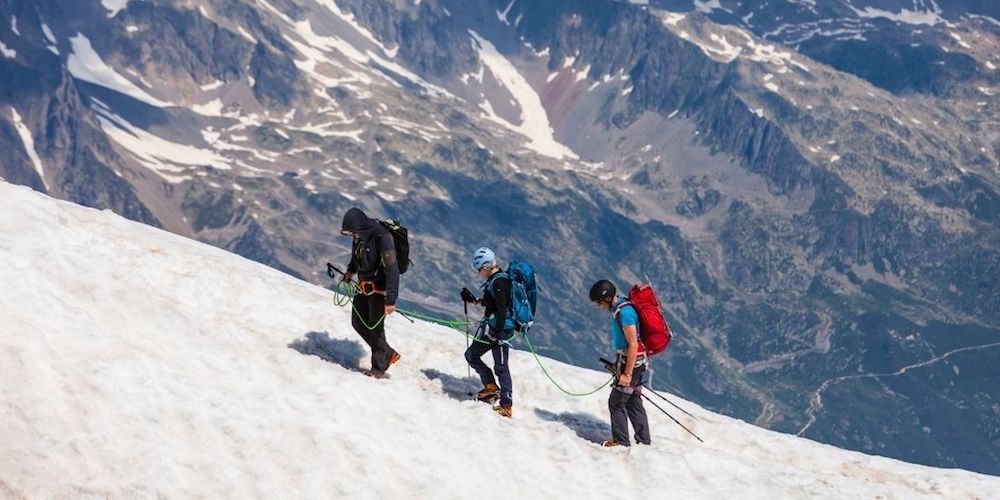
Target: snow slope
137 363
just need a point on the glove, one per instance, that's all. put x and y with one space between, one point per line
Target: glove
347 277
468 297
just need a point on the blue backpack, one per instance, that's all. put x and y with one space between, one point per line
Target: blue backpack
524 296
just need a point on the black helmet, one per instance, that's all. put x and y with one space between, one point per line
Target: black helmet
602 290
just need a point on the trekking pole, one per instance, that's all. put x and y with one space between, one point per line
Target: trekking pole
401 313
671 416
468 366
669 401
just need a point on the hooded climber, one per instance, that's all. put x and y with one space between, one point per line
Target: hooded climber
494 332
373 258
625 401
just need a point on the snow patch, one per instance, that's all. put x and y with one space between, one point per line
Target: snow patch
7 52
245 34
211 108
959 40
707 6
29 145
834 158
534 120
168 159
211 86
131 28
114 6
915 17
48 34
84 63
671 18
13 25
990 65
348 18
502 16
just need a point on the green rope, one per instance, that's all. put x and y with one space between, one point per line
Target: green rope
546 372
347 291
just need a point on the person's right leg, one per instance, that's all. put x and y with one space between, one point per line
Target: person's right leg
368 310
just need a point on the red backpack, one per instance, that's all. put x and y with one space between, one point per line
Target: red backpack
654 333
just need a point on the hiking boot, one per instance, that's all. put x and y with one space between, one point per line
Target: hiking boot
504 411
394 358
377 374
611 443
489 394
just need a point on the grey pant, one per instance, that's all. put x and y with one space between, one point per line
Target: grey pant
625 404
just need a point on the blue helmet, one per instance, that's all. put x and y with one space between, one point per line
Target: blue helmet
483 257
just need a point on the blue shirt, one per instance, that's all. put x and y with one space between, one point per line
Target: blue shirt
628 317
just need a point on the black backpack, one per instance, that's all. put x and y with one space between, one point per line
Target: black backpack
401 241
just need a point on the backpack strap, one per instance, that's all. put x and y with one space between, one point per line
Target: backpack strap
638 324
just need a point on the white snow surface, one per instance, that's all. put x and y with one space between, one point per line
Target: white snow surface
86 64
29 144
144 364
114 6
906 16
534 120
168 159
7 52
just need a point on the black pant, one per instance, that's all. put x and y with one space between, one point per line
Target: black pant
501 355
372 308
625 404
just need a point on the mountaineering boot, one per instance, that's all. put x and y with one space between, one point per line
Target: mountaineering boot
489 394
377 374
504 411
394 358
611 443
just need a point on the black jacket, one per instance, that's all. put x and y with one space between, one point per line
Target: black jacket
497 301
373 253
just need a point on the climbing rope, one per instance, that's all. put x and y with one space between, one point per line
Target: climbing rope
346 291
546 372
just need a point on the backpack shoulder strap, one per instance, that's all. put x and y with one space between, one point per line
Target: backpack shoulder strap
618 315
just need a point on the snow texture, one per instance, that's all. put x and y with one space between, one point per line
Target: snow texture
166 158
7 52
915 17
29 145
114 6
84 63
144 364
534 120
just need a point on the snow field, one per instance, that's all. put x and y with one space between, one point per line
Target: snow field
138 363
